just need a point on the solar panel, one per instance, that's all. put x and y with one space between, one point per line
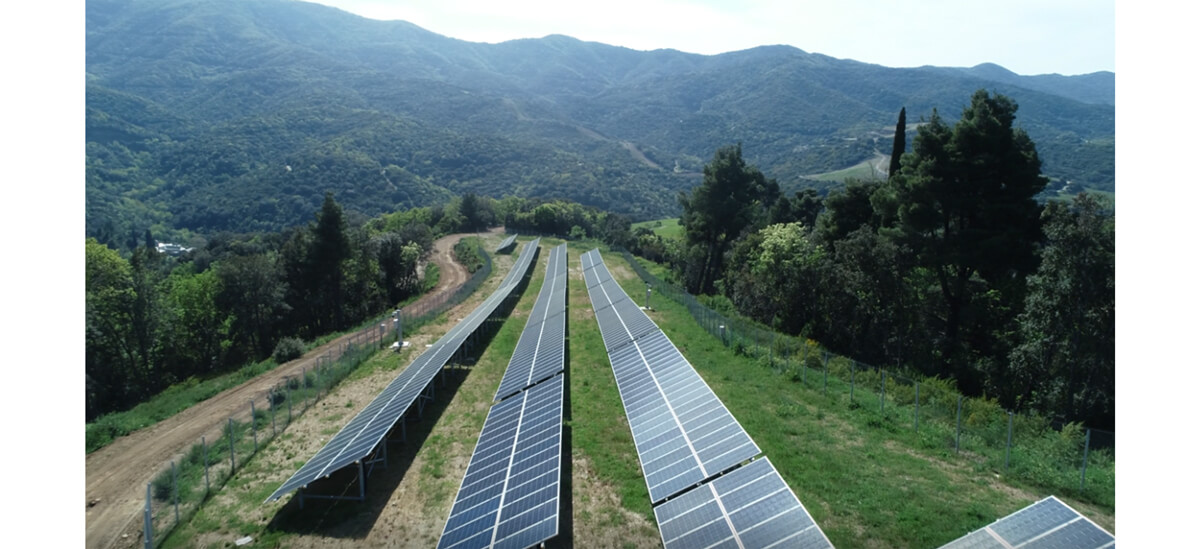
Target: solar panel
509 496
682 431
367 429
751 506
1049 524
506 243
540 351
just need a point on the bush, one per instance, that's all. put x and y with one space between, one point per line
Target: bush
288 348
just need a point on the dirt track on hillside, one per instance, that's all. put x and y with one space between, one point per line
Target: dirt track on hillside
118 473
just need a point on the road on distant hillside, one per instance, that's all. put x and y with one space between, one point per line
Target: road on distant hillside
118 473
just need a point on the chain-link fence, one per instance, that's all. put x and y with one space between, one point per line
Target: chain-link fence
1068 459
182 486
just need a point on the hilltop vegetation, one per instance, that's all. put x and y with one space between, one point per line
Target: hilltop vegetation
240 115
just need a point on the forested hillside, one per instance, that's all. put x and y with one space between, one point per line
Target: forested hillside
239 115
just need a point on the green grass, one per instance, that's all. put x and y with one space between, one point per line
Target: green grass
599 428
868 480
171 401
666 228
862 170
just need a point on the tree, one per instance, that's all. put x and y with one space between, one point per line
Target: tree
776 276
898 143
731 198
1065 363
330 250
252 291
965 205
110 355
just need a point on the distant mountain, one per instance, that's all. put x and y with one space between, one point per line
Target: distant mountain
238 114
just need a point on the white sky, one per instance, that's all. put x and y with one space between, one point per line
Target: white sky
1025 36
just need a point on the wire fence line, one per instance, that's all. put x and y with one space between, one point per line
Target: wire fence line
182 486
1070 459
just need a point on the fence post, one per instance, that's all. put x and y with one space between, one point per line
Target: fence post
917 409
232 460
204 445
882 388
287 395
722 328
271 405
303 383
1008 448
958 425
148 520
826 368
852 364
253 426
1087 442
175 489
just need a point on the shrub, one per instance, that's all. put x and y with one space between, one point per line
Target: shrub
288 348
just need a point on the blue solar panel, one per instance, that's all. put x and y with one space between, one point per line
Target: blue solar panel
367 429
510 241
682 431
540 351
1047 524
509 496
750 506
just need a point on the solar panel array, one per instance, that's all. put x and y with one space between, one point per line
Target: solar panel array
509 496
507 242
693 452
367 429
540 350
683 433
749 507
1047 524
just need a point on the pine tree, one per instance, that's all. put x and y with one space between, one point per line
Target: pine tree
897 145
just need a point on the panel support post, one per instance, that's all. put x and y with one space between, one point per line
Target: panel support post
362 482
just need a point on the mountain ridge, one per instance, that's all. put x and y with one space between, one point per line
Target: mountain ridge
171 77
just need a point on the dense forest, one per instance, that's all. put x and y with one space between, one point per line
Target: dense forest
238 115
949 268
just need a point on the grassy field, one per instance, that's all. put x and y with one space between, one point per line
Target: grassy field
666 228
863 170
868 482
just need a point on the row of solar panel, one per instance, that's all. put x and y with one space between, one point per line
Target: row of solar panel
509 496
506 243
541 348
363 433
1047 524
692 451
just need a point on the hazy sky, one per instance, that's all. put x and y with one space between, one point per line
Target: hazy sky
1025 36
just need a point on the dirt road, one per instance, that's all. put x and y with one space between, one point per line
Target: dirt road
118 473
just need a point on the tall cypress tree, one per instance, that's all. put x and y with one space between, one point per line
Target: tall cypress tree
897 145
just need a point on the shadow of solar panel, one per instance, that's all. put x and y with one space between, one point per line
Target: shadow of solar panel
1046 524
509 495
750 506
